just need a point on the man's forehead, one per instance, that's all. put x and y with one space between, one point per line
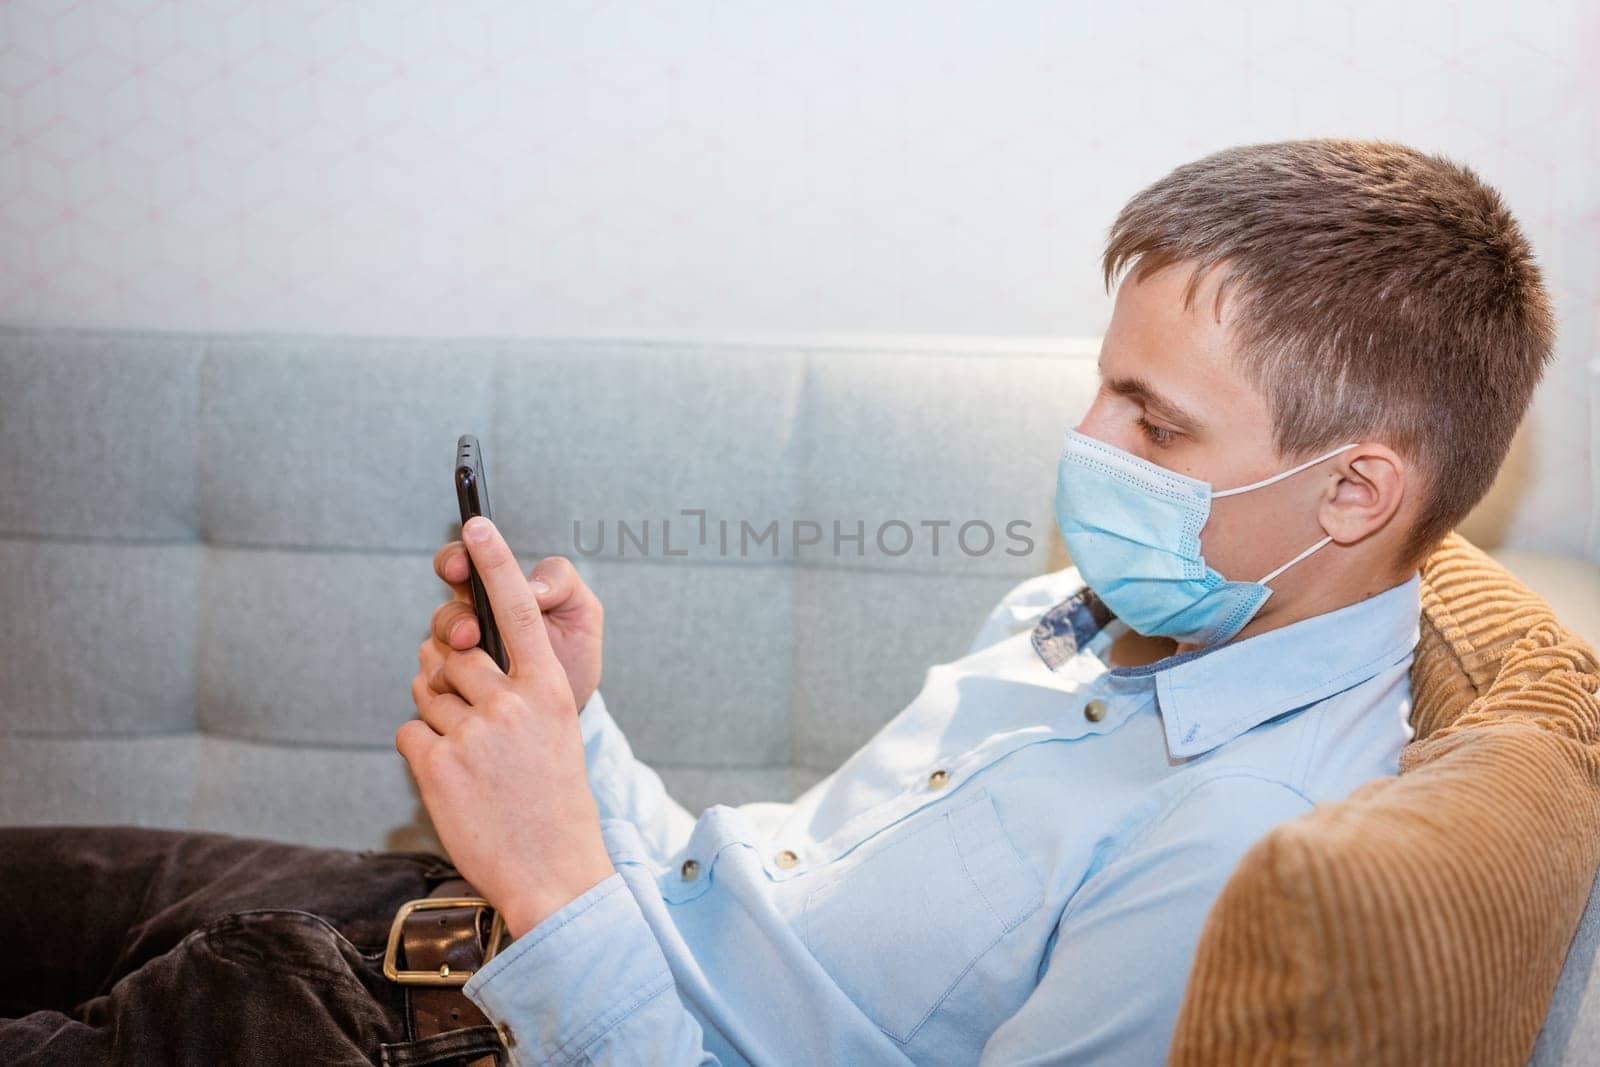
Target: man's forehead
1156 347
1161 396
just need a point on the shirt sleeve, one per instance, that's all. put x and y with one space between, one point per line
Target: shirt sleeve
626 788
1119 962
589 985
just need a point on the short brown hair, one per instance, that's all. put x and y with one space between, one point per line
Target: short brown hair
1383 293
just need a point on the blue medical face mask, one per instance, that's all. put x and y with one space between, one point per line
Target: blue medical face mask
1133 529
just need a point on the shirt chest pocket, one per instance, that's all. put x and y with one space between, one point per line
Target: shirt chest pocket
899 927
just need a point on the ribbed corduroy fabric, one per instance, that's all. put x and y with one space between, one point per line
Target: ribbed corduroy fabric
1424 918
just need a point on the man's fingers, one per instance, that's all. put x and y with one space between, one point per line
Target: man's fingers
413 741
554 581
455 625
516 611
471 674
450 563
442 711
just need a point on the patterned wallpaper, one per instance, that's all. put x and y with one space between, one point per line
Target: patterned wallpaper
498 167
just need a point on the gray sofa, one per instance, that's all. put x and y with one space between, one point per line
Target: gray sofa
215 551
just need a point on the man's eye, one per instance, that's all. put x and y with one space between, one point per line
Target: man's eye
1158 435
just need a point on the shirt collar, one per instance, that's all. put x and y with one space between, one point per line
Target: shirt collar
1208 696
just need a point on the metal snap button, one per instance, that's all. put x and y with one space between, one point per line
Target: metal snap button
507 1038
786 858
1095 710
938 778
691 870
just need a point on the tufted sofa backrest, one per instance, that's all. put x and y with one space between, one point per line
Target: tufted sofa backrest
216 551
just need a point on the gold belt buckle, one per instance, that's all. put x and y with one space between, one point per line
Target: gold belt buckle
444 976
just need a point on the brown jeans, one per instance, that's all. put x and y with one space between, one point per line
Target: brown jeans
122 944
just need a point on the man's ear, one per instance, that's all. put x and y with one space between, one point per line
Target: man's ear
1370 485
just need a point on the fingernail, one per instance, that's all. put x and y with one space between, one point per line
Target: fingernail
540 586
476 529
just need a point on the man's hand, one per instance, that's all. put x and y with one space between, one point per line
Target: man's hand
498 757
572 613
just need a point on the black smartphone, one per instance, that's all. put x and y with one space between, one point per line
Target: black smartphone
472 492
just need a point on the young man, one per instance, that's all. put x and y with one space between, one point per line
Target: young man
1312 372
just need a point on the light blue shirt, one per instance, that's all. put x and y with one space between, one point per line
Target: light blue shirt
1015 869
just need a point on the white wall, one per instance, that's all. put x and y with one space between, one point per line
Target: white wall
510 167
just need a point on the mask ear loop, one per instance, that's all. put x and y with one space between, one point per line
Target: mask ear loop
1285 474
1297 559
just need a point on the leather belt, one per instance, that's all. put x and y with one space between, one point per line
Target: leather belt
442 938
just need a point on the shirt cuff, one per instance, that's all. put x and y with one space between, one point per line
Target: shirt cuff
566 982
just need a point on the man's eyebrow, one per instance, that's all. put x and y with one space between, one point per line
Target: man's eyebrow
1138 389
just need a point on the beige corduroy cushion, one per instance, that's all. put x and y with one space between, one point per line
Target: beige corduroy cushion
1424 918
